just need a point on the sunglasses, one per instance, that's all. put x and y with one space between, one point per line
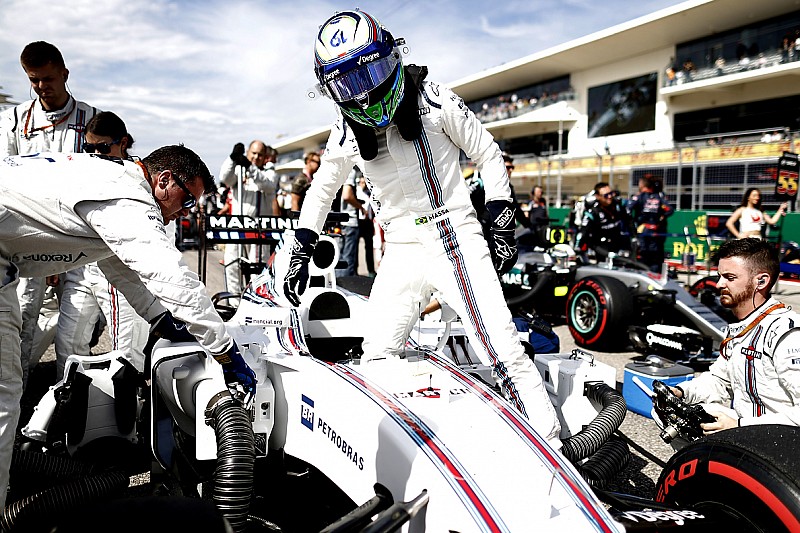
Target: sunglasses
509 167
191 200
99 148
609 195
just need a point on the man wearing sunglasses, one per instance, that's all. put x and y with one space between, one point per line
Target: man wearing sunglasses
53 122
605 226
58 212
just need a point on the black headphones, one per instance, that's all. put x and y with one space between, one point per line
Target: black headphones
762 281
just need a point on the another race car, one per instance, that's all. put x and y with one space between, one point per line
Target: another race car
599 302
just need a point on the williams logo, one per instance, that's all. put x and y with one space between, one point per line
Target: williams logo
54 258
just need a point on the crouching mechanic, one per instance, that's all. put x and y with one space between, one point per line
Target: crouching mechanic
61 211
405 134
758 370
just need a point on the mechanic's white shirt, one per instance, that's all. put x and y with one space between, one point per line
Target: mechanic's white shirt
758 371
27 128
60 211
255 181
410 190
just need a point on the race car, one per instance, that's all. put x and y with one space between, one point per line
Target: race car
599 302
422 440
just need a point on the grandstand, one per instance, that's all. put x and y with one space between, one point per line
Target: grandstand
702 95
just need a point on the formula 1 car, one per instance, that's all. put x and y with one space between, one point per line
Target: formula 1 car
601 301
326 432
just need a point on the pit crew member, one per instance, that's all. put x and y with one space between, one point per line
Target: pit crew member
758 370
605 226
61 211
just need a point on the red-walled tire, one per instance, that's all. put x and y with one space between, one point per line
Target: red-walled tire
749 473
598 312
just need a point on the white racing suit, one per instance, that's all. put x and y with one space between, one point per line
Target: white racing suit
758 370
28 129
87 293
258 192
59 211
434 240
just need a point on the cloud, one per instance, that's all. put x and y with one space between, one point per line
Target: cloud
211 73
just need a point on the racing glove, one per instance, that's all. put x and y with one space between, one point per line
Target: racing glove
296 280
238 157
502 243
240 378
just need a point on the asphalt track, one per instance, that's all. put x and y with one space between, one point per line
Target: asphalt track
648 452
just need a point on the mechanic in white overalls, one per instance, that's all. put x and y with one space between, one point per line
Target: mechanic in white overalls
60 211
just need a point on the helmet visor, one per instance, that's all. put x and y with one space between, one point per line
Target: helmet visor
361 79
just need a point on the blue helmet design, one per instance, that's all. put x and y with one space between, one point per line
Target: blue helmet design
358 66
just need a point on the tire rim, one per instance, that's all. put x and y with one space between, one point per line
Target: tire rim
585 311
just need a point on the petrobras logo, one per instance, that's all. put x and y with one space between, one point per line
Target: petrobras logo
669 343
341 444
54 258
369 57
307 412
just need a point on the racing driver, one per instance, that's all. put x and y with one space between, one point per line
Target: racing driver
758 369
60 211
405 134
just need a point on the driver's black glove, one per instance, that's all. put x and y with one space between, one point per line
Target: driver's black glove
240 378
502 243
296 280
238 157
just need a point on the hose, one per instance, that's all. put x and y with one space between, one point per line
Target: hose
24 514
598 431
607 462
236 457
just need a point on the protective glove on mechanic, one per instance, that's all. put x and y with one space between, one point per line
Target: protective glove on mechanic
502 241
240 378
238 157
296 280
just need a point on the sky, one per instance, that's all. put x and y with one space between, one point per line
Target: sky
211 73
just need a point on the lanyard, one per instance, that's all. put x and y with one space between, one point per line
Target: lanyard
750 326
29 120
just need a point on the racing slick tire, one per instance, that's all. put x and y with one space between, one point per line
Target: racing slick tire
749 474
598 309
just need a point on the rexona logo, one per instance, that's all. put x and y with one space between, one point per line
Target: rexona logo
368 57
330 75
54 258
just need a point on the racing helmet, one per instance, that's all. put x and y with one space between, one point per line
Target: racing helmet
359 66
